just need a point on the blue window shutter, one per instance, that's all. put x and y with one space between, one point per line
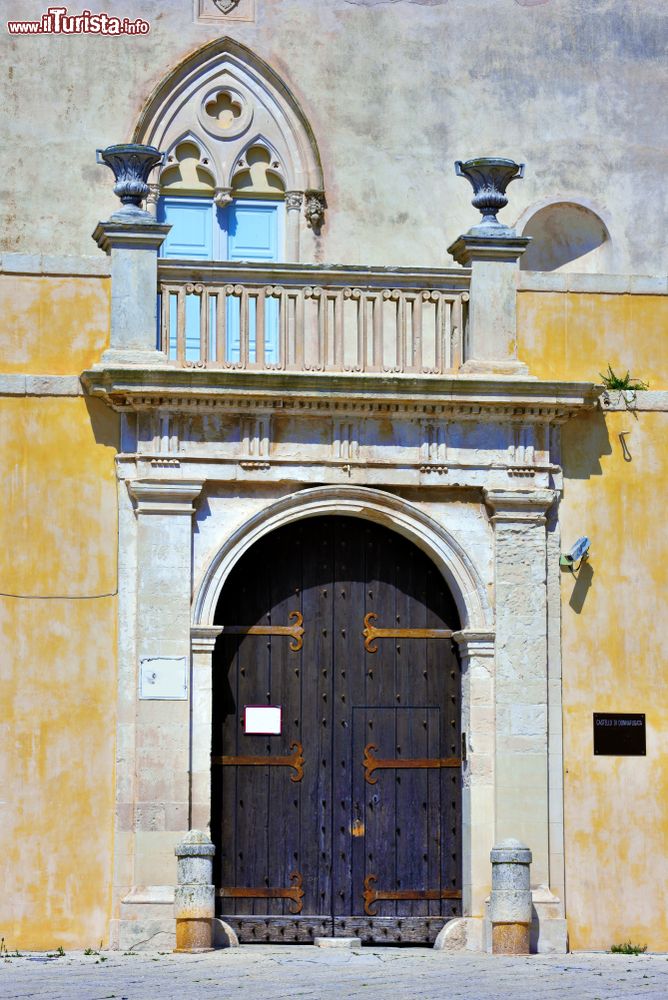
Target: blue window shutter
191 235
252 230
253 233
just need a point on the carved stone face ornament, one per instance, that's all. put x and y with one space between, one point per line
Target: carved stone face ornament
314 210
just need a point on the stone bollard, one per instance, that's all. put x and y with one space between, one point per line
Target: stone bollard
194 897
510 900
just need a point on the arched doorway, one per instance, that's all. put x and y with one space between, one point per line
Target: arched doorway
348 820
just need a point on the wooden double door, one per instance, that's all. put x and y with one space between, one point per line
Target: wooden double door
348 821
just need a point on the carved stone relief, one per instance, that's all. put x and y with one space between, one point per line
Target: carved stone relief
401 448
224 10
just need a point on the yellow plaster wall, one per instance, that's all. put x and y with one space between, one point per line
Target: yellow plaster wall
58 579
613 645
575 335
52 325
614 660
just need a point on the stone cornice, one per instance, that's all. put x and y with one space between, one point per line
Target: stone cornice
643 400
113 235
519 506
346 275
594 284
473 642
165 496
53 264
448 397
203 637
15 384
504 247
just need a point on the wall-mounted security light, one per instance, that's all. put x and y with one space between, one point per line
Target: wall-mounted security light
578 552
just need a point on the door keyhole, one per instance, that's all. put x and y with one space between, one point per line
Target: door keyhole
357 825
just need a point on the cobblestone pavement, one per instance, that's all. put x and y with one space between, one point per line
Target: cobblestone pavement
264 972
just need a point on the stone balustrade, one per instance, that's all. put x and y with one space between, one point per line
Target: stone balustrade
312 318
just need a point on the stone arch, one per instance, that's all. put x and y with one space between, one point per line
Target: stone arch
242 168
187 166
384 508
222 91
568 234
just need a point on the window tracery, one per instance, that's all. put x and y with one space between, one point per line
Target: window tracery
233 129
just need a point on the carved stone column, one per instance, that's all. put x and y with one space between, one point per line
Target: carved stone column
293 207
164 510
152 199
521 692
476 650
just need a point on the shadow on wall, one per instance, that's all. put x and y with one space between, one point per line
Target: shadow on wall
584 440
567 237
583 578
105 423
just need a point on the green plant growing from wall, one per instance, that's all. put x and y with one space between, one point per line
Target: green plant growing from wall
628 949
622 383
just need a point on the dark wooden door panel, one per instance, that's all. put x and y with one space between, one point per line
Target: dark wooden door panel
348 685
330 830
316 723
402 807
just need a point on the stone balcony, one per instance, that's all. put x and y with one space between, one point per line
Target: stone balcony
310 318
302 371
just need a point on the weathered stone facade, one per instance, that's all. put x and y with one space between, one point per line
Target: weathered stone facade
442 402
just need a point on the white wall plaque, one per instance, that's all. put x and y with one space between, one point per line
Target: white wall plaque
163 678
262 719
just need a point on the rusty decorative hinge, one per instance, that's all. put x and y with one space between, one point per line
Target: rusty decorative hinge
295 760
371 633
296 630
372 763
295 895
371 896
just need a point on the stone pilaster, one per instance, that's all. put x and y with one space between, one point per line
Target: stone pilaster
164 510
521 695
476 651
133 247
203 639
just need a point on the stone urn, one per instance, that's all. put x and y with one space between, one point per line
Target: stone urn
132 164
489 176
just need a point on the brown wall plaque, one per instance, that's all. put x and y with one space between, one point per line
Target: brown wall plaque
619 735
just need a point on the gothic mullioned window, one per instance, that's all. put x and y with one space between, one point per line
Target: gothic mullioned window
242 180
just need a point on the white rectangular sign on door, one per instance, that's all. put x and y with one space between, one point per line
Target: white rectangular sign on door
262 720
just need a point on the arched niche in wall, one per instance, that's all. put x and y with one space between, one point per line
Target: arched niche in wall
250 130
567 236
